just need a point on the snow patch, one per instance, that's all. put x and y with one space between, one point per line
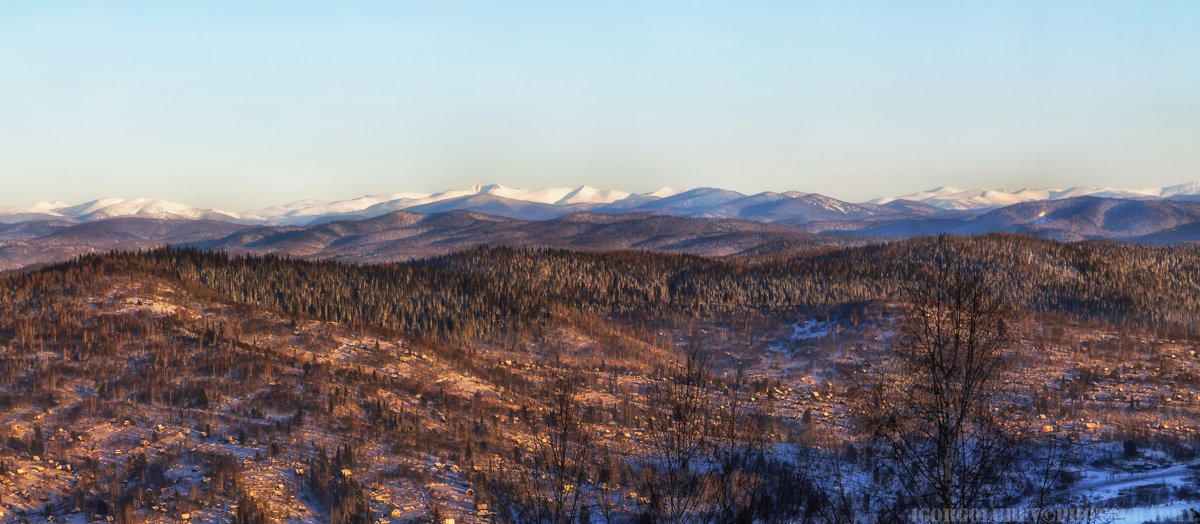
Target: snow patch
811 329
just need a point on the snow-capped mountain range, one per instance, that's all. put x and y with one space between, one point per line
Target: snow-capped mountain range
703 221
305 211
791 206
969 199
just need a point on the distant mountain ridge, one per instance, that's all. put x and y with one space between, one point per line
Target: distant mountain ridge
702 221
763 224
974 199
403 235
790 207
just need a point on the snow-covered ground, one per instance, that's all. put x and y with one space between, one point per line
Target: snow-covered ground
810 329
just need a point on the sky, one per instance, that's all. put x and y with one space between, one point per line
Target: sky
236 105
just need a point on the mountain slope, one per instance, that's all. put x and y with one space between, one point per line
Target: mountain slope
1070 219
111 208
399 235
765 223
546 203
974 199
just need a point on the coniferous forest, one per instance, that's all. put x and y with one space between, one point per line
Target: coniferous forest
537 385
475 292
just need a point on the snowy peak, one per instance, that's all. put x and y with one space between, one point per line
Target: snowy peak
1187 189
306 211
109 208
144 207
591 195
547 195
952 198
552 195
664 192
47 206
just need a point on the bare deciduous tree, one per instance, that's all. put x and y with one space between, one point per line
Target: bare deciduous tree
935 406
680 434
739 451
550 475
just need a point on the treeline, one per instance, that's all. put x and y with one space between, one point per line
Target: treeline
482 290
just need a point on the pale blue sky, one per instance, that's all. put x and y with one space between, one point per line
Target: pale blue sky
245 104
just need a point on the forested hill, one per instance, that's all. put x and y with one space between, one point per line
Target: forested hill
477 291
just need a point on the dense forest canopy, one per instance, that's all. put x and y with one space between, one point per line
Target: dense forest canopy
475 292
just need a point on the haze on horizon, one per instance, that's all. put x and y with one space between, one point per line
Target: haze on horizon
239 105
